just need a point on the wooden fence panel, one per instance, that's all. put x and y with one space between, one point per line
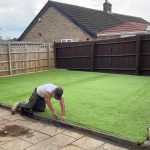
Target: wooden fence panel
125 55
4 59
116 56
19 57
145 55
75 57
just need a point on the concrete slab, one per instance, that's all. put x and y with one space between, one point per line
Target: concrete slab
4 140
100 148
112 147
52 130
3 110
44 136
30 119
3 121
71 147
44 145
61 140
17 144
88 143
37 126
19 123
2 114
73 133
13 117
1 143
34 137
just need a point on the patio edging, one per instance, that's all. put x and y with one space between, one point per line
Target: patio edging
117 140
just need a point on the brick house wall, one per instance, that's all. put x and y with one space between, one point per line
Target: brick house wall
53 26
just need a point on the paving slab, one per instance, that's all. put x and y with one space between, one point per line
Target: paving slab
73 133
17 144
88 143
1 143
2 114
3 110
37 126
4 140
13 117
47 136
34 137
72 147
52 130
44 145
61 140
112 147
19 123
3 121
30 119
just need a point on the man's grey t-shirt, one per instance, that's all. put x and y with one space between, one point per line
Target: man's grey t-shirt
43 89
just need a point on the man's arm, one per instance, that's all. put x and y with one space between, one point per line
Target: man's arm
62 104
48 102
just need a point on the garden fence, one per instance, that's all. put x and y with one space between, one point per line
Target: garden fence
23 57
125 55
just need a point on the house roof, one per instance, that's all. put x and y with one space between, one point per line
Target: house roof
90 20
126 27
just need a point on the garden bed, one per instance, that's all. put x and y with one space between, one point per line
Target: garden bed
109 103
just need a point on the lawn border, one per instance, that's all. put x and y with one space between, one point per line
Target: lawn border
118 140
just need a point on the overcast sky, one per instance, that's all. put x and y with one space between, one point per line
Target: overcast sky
16 15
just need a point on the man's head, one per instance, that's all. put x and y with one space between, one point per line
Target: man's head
58 93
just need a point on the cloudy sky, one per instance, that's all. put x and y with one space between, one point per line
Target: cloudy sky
16 15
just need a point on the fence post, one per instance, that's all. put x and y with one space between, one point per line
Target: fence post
9 58
25 46
49 55
55 55
92 55
138 49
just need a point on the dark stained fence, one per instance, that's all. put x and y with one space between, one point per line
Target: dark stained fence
116 56
145 55
75 56
125 55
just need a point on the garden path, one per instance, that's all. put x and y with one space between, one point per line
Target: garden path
42 136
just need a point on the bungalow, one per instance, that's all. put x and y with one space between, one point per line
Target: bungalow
125 30
66 23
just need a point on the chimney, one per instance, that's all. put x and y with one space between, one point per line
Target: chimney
107 7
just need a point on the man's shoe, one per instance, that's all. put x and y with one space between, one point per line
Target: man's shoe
14 108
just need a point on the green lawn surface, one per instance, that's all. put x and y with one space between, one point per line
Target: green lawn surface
109 103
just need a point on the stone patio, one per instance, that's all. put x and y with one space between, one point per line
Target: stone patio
44 136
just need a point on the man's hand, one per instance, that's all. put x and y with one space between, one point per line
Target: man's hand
55 114
62 110
63 118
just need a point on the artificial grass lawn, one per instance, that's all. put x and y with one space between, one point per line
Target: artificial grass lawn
111 103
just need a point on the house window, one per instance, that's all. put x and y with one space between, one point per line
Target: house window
148 28
66 40
127 35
